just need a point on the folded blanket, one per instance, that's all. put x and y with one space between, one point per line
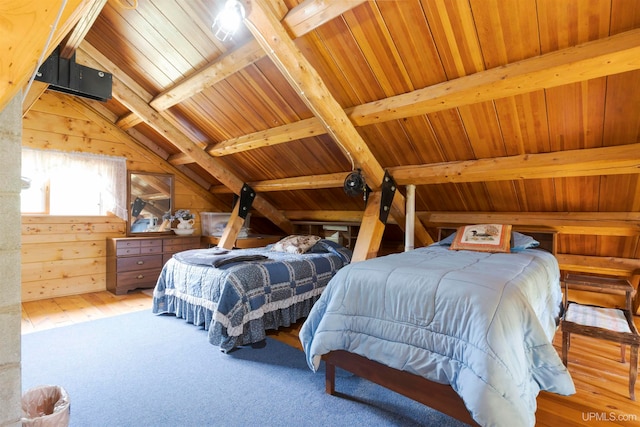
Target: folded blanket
231 258
215 257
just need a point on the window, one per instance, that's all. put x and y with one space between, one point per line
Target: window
62 183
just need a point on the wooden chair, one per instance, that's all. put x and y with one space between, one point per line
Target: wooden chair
608 323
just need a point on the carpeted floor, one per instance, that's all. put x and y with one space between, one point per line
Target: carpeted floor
140 369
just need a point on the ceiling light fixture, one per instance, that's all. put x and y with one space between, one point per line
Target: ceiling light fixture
228 20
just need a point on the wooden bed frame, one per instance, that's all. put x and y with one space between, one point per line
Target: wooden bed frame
440 397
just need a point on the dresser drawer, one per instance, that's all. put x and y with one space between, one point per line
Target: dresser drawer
138 247
128 251
127 247
142 262
151 243
138 279
174 241
179 244
150 250
126 243
178 247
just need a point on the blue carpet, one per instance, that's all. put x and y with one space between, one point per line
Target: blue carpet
140 369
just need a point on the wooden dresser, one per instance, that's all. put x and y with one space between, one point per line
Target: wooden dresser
136 262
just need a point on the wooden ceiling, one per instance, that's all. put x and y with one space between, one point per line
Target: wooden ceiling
492 106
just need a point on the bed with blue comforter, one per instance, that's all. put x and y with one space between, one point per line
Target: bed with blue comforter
481 322
237 295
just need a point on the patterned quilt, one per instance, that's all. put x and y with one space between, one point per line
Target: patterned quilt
239 301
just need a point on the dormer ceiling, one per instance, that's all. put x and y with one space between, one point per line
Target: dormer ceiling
485 105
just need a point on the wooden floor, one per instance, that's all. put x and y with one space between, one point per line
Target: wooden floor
601 380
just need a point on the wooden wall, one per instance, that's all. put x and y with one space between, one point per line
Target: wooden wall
63 255
66 255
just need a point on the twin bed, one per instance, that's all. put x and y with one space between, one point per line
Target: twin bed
467 332
238 295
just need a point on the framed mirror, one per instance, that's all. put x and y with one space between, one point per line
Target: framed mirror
149 196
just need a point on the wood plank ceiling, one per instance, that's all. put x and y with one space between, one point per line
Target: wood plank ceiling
501 106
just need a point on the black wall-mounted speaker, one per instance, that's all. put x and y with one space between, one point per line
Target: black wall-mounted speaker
64 75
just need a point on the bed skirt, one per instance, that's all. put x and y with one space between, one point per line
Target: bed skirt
254 330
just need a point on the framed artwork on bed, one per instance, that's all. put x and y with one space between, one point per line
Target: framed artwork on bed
483 238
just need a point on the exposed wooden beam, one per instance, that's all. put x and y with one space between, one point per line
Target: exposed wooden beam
232 229
90 13
301 75
183 159
371 230
612 266
310 14
285 133
204 183
35 92
223 67
138 104
26 26
578 223
97 113
612 55
311 182
300 20
325 216
128 121
587 223
614 160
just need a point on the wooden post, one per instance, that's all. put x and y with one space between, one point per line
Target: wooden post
231 231
371 230
411 218
301 75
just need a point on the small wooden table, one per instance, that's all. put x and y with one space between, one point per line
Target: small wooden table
599 284
606 323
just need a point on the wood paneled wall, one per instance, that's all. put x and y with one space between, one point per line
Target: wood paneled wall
66 255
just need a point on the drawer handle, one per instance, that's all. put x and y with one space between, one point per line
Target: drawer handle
140 276
140 262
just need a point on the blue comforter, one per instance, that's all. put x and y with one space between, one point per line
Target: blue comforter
481 322
253 289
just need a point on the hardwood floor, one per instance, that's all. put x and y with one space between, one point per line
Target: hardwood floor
601 380
64 311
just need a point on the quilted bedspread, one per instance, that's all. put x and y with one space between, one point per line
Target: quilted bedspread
238 301
481 322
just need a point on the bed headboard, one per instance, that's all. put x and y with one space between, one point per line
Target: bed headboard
547 238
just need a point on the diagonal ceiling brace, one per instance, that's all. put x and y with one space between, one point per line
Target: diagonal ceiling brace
135 102
238 216
301 75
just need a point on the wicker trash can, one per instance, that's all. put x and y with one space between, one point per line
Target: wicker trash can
45 406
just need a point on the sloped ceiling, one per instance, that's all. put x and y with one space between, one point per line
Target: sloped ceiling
503 106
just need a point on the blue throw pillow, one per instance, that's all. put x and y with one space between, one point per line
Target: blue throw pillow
520 242
447 240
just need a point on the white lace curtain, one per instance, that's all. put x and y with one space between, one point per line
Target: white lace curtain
75 183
